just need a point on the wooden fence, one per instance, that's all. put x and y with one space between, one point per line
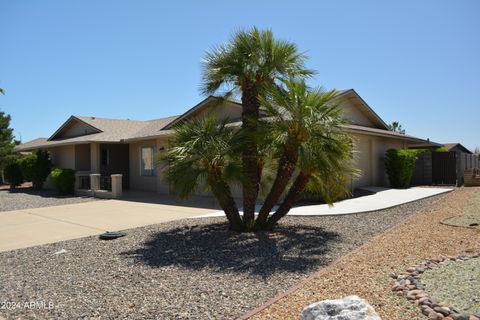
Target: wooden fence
443 168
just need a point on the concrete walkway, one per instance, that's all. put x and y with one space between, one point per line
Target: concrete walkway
383 198
31 227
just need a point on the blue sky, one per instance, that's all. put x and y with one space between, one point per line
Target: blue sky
416 62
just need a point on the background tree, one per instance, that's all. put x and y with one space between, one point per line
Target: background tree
396 127
36 167
13 174
477 151
248 65
7 141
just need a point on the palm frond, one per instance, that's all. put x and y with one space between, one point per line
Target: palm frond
251 56
201 149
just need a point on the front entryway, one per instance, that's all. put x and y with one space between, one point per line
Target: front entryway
114 159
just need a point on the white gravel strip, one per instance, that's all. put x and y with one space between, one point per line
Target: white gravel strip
383 198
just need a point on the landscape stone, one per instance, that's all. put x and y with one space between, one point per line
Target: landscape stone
347 308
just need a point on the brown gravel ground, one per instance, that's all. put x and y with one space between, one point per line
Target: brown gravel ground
366 272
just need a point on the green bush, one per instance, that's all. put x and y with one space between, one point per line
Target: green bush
13 174
36 167
441 149
399 165
63 180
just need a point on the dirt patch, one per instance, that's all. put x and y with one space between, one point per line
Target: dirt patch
467 221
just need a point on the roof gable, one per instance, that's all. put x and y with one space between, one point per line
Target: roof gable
358 112
74 127
456 147
223 108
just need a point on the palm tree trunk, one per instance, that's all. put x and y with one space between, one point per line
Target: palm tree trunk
285 170
250 115
294 194
222 193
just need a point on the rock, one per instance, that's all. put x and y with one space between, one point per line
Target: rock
422 300
474 318
61 251
422 295
435 316
443 310
347 308
416 292
426 310
456 316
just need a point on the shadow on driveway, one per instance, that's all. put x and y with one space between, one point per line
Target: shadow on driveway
287 249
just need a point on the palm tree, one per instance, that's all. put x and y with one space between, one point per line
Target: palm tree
202 157
396 127
298 114
251 63
324 165
308 142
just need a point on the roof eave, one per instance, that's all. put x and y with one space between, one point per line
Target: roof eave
388 134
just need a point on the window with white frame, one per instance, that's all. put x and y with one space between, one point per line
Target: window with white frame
147 161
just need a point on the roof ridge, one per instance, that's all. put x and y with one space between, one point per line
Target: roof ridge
103 118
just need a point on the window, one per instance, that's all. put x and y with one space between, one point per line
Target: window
147 161
105 157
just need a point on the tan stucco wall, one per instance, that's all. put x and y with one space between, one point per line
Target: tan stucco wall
228 110
137 181
221 110
162 184
369 158
354 115
77 129
63 157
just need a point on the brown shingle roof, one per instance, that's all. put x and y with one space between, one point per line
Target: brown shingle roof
111 130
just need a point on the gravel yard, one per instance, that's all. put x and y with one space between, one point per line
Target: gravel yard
186 269
24 198
457 284
366 272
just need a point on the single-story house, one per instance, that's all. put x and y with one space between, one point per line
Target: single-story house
113 146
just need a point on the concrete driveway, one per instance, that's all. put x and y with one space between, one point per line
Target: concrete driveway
31 227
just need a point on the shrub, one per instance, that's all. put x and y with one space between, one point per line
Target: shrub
63 180
399 165
13 174
441 149
36 167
